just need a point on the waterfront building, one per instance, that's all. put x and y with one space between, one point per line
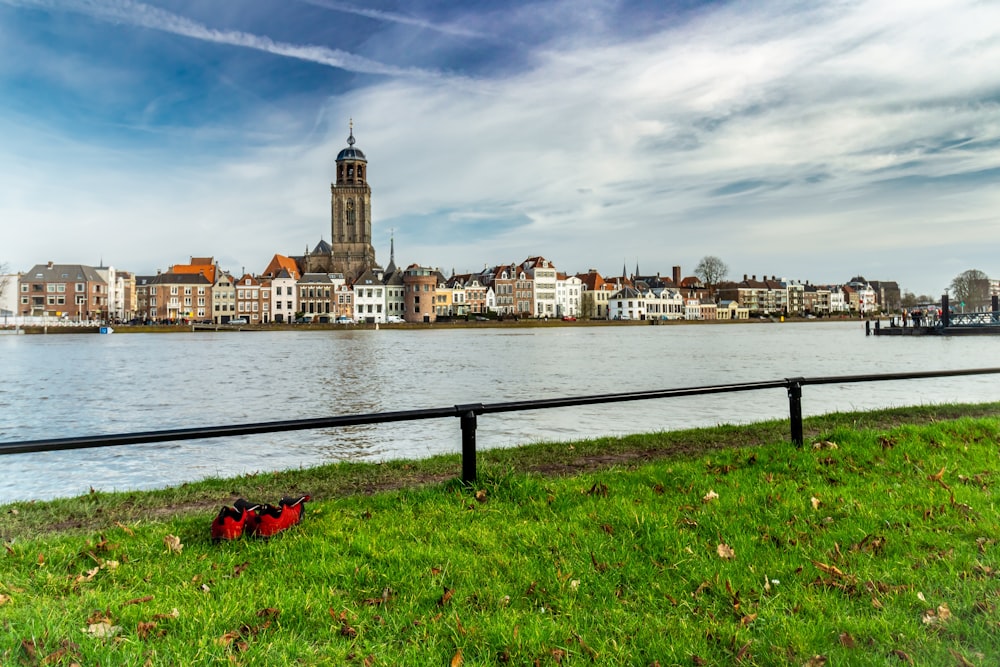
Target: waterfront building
223 297
420 284
663 303
343 300
469 290
502 279
350 251
594 295
68 291
732 310
369 297
568 290
543 276
284 299
316 296
627 304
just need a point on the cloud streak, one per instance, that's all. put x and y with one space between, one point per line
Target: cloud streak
146 16
393 17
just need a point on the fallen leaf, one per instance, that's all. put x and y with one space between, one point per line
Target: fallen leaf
943 612
146 598
725 551
173 614
815 502
456 660
938 476
443 600
876 603
846 640
815 661
920 596
238 570
710 496
127 530
748 619
902 655
144 629
4 599
481 496
173 544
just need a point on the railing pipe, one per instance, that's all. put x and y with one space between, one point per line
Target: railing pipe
468 415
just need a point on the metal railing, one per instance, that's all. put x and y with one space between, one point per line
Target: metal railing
468 415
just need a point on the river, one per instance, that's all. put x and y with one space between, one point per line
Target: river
86 384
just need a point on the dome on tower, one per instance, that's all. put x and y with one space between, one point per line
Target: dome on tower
351 153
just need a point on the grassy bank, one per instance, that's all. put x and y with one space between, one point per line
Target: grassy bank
875 544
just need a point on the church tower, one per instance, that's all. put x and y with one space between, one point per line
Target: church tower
351 213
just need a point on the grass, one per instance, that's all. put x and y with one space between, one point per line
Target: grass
876 544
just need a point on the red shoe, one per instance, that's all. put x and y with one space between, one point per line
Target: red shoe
271 520
232 521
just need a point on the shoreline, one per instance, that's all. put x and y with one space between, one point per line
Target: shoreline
452 324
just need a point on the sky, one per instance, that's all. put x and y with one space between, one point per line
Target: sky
812 140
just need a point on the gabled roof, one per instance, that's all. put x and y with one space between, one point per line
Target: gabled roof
205 269
316 278
322 248
279 263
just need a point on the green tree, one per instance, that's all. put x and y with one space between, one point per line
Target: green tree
971 288
711 270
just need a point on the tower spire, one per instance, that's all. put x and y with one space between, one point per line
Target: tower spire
350 136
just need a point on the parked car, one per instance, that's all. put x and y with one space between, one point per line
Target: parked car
394 319
344 319
238 320
569 318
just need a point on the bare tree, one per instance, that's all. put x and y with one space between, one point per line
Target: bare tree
971 290
711 270
3 278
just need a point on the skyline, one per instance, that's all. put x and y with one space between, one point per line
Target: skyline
811 141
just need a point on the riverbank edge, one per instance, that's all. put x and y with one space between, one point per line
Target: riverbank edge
523 323
100 510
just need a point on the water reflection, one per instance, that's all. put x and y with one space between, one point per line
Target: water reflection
55 386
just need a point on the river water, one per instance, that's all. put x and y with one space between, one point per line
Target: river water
86 384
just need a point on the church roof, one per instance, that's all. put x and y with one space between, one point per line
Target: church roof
322 248
351 153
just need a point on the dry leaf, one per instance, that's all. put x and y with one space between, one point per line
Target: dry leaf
748 619
4 599
443 600
815 502
902 655
938 476
876 603
846 640
146 598
920 596
815 661
710 496
456 660
725 551
943 612
481 495
173 544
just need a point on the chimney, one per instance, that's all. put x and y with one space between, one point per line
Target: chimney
50 265
677 275
754 276
744 277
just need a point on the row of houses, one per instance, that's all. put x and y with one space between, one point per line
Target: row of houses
201 291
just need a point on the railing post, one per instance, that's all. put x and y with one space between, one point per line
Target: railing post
795 409
467 415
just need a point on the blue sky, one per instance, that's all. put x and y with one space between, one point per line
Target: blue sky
812 140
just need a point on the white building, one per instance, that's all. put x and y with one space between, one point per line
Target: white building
370 298
284 300
8 297
568 290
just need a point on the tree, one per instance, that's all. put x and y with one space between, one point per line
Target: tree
711 270
971 288
3 278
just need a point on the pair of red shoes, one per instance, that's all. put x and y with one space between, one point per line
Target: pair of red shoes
260 520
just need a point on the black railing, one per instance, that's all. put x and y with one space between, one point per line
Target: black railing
468 415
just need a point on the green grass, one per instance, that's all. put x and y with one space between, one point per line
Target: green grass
895 560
